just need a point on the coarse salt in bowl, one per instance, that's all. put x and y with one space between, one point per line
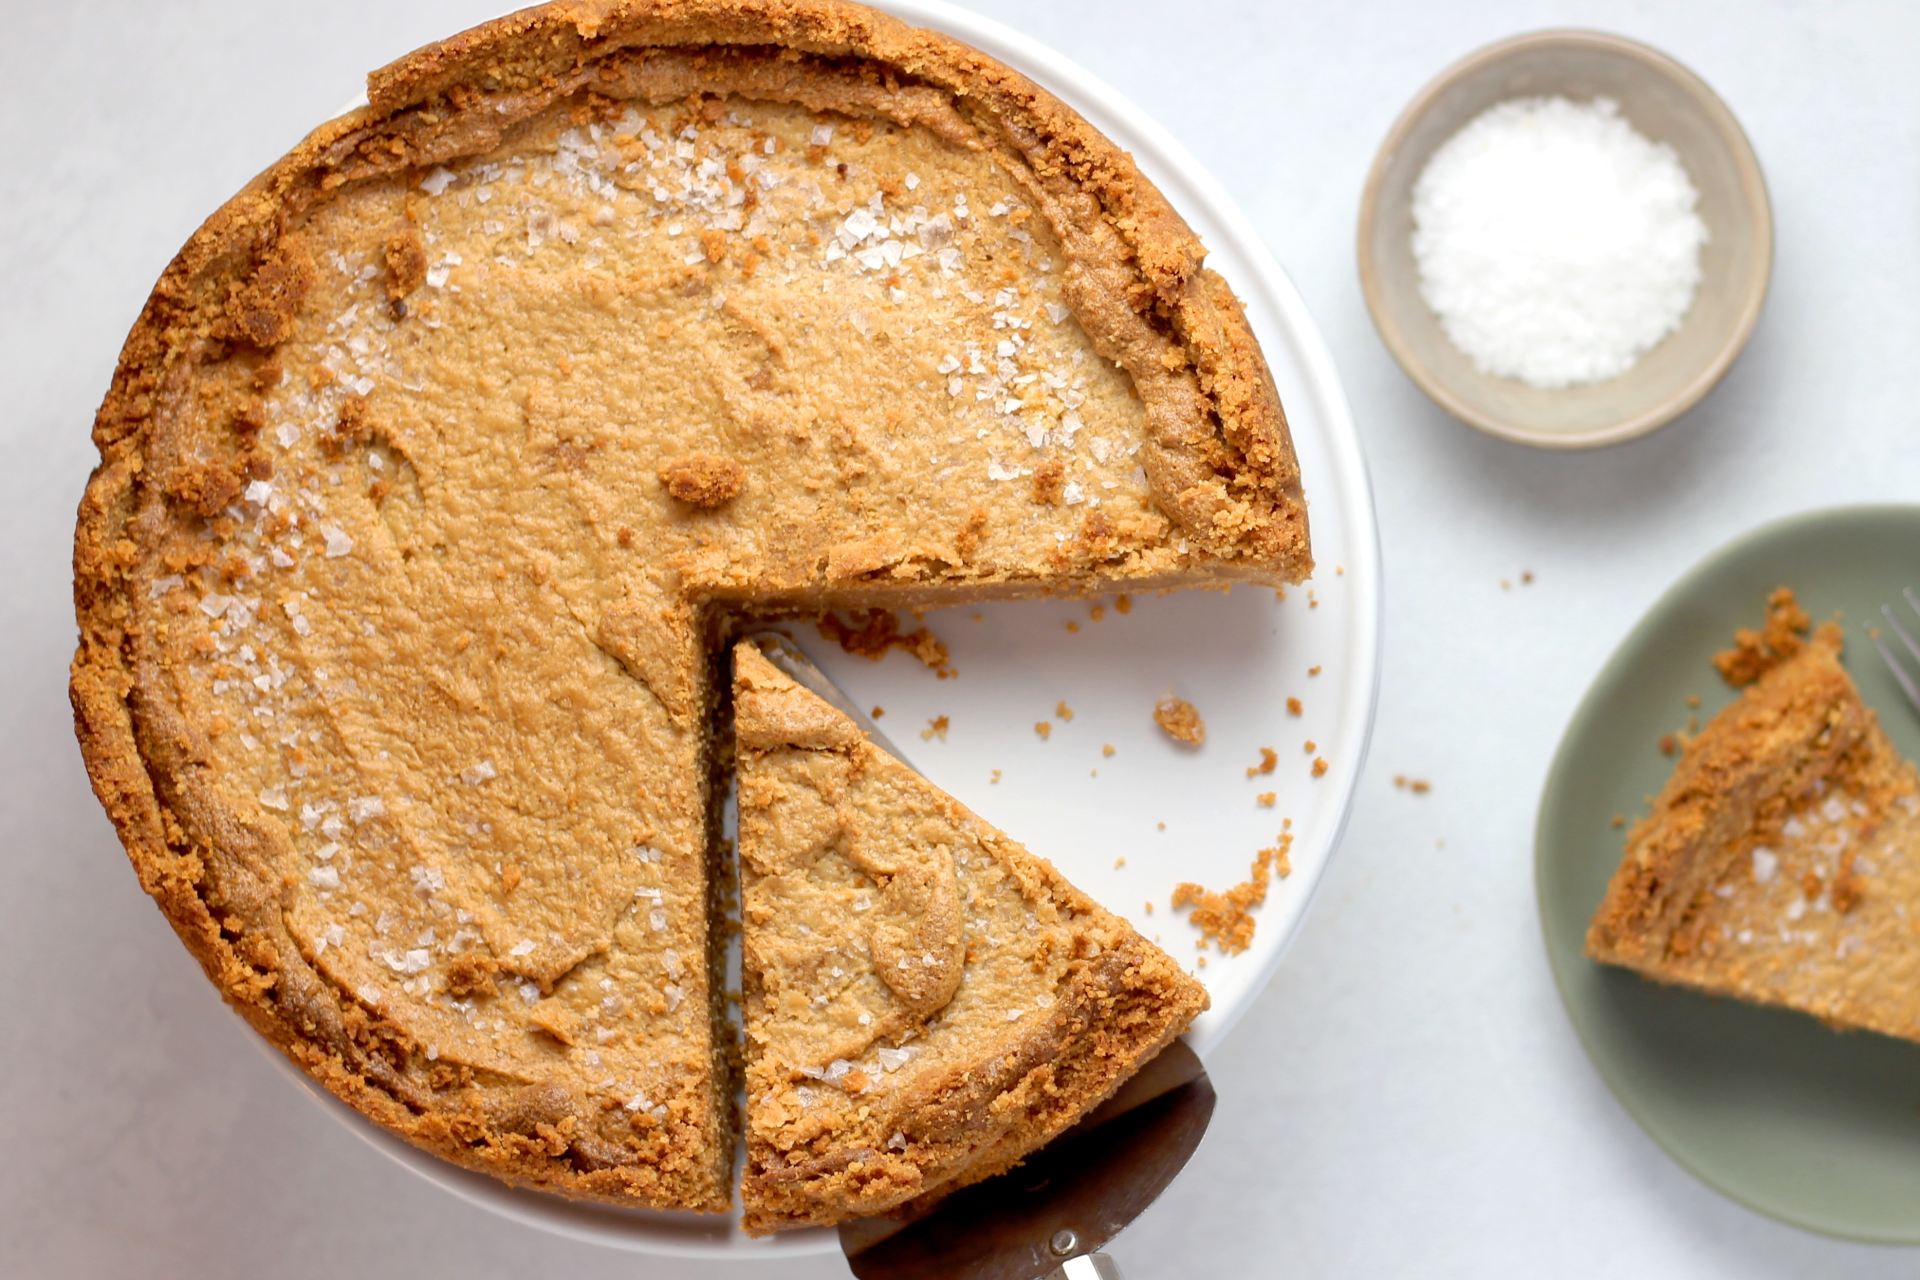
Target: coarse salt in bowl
1557 244
1652 370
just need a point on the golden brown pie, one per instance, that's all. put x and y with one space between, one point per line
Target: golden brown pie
440 454
926 1001
1781 862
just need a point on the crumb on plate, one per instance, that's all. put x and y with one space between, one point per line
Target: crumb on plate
1180 720
1225 918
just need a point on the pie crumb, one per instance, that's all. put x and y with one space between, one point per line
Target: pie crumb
406 263
1226 918
705 480
1754 653
871 633
936 728
1268 759
1049 482
1180 720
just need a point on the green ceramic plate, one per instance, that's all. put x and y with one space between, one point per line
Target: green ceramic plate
1813 1127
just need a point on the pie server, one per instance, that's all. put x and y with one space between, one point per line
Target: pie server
1050 1216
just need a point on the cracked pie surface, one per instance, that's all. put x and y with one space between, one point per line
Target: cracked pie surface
441 453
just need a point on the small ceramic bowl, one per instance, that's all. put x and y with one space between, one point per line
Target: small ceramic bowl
1664 101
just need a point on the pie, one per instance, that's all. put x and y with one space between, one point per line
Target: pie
443 456
926 1001
1781 863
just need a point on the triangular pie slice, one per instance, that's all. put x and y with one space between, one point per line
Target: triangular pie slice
926 1001
1781 863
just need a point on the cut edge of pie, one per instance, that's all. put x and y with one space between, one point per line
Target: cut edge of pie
926 1002
1779 862
176 435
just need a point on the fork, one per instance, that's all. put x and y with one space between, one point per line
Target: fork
1909 684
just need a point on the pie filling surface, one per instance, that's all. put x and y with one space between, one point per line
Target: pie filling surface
1781 863
926 1001
441 453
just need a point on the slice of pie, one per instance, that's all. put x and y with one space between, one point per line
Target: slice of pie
438 452
926 1001
1781 863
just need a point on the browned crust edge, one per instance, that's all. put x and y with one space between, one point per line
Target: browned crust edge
1244 460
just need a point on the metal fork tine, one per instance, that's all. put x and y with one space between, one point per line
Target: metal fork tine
1906 637
1906 682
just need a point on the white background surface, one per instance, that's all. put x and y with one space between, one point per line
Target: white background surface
1407 1098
